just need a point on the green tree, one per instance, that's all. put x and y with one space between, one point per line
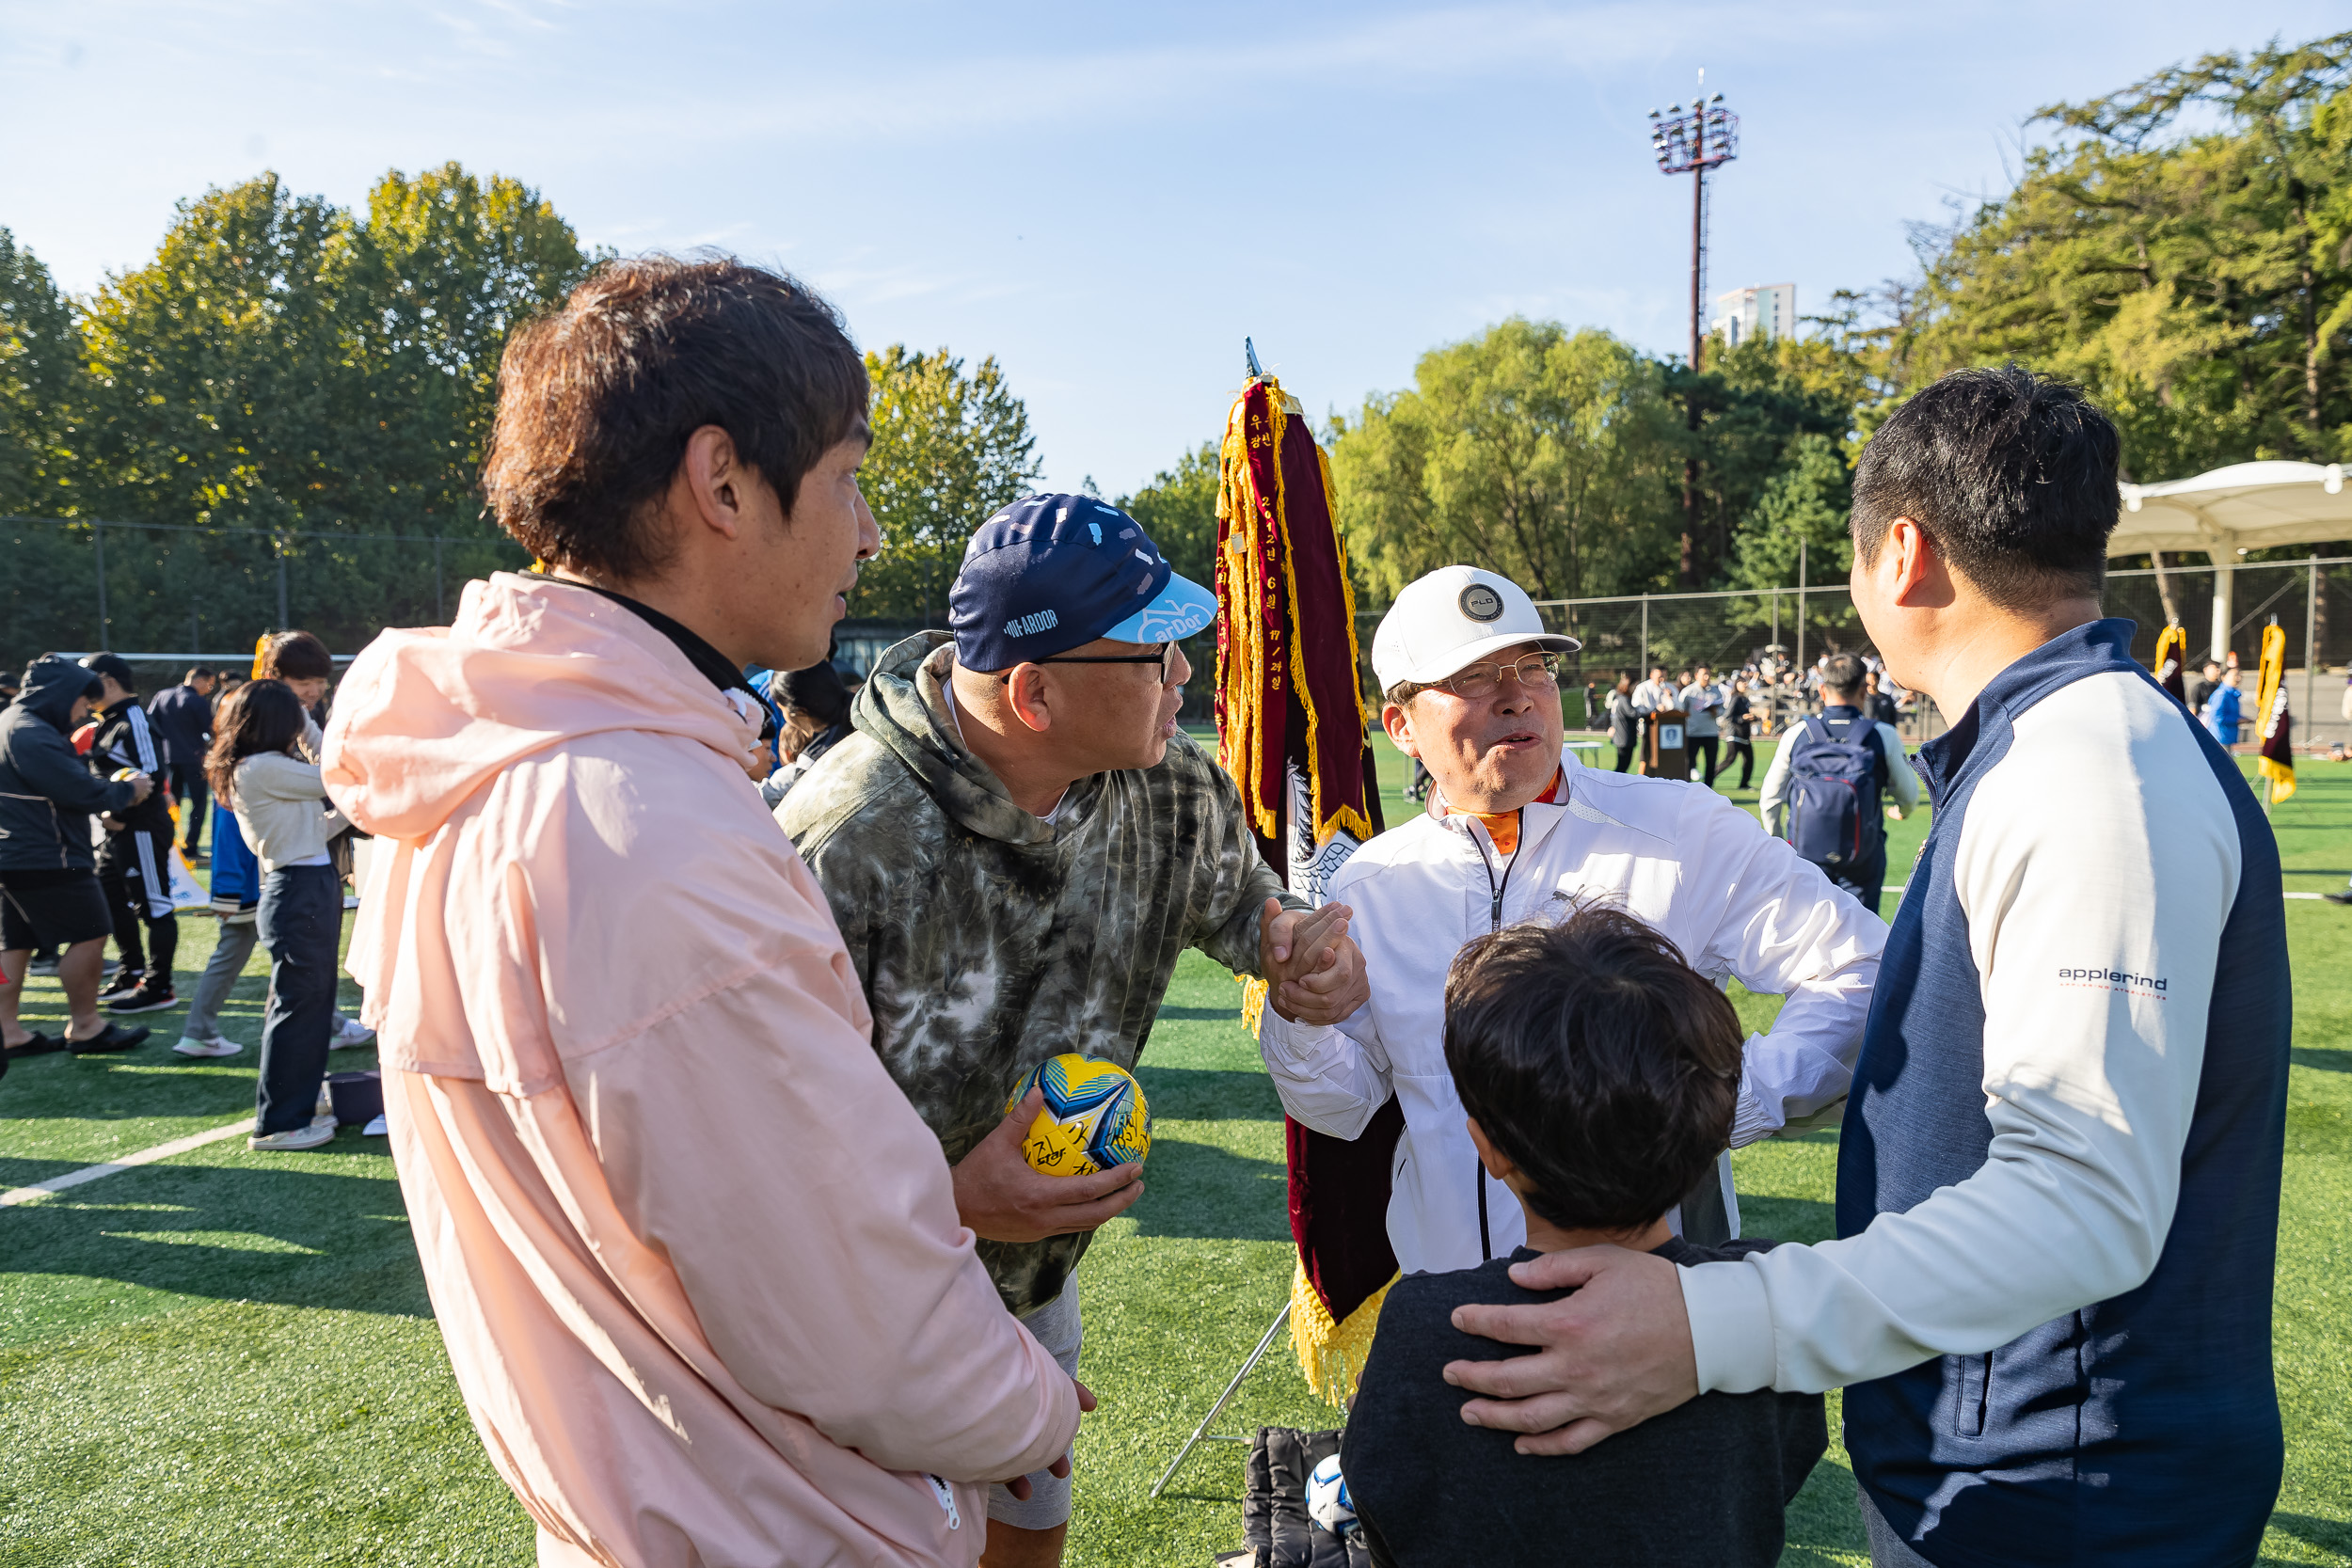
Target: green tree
1761 405
1807 502
283 364
221 391
1538 452
40 353
283 368
47 594
950 451
2182 251
445 265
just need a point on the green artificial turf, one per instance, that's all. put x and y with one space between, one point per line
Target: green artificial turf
229 1357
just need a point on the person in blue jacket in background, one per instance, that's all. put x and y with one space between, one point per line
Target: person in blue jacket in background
2223 708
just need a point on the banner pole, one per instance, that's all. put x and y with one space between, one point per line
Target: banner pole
2310 636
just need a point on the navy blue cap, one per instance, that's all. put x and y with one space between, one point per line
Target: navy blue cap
1053 573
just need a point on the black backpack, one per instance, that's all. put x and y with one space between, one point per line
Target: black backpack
1833 816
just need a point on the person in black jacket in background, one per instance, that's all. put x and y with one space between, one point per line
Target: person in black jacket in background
135 858
1740 723
183 716
1599 1073
49 889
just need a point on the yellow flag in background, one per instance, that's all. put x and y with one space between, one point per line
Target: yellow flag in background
2275 758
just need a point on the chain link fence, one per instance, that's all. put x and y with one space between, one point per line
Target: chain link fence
1729 631
175 594
166 596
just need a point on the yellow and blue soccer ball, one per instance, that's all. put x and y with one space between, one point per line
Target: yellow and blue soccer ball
1093 1118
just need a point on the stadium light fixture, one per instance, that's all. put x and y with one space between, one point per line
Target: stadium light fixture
1692 141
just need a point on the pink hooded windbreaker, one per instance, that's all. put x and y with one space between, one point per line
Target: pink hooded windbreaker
696 1259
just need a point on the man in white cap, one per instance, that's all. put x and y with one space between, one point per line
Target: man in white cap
1516 829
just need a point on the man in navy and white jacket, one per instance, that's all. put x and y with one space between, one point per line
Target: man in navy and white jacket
2049 1300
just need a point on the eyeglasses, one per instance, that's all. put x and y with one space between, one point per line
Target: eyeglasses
1537 671
1165 658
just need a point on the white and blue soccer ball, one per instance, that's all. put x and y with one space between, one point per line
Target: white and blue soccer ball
1327 1502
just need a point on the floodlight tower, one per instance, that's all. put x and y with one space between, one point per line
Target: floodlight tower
1692 142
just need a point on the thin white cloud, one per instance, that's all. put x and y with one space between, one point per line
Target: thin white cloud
1425 50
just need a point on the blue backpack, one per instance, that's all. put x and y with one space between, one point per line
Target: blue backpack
1833 816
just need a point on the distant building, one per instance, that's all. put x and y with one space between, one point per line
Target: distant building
1766 310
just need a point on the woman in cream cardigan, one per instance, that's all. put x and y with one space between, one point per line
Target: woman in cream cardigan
281 809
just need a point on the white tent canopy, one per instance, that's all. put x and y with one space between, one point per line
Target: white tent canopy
2245 506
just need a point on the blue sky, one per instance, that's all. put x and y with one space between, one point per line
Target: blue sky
1105 197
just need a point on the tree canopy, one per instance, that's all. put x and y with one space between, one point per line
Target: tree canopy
2183 249
950 449
281 367
283 363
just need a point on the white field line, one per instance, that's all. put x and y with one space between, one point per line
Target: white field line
143 1157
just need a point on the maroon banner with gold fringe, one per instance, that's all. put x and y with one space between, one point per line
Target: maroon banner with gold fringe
1291 726
2171 650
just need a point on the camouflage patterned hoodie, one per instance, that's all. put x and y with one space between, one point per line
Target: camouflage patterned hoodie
987 938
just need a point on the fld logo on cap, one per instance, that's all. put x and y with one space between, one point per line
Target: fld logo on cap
1024 626
1481 603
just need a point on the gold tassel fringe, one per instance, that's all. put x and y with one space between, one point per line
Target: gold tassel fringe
1331 1355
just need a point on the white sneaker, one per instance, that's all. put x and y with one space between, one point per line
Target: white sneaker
348 1033
374 1129
320 1131
207 1045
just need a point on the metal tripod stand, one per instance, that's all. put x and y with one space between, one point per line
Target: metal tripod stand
1201 1432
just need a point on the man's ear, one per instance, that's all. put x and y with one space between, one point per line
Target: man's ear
1498 1165
1399 724
717 481
1027 698
1917 575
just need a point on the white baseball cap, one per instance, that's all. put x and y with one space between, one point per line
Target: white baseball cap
1453 617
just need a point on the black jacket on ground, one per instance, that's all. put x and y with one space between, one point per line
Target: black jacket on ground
183 718
47 793
1704 1484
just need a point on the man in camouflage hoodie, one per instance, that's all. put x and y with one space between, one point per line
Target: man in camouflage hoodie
1018 843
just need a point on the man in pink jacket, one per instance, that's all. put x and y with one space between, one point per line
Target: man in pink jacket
696 1259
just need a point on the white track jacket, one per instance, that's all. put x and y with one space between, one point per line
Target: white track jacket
1735 901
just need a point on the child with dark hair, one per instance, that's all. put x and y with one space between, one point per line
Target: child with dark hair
1599 1073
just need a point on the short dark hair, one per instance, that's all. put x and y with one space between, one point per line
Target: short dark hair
2011 473
201 673
1843 673
296 655
1597 1061
115 667
596 400
817 691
